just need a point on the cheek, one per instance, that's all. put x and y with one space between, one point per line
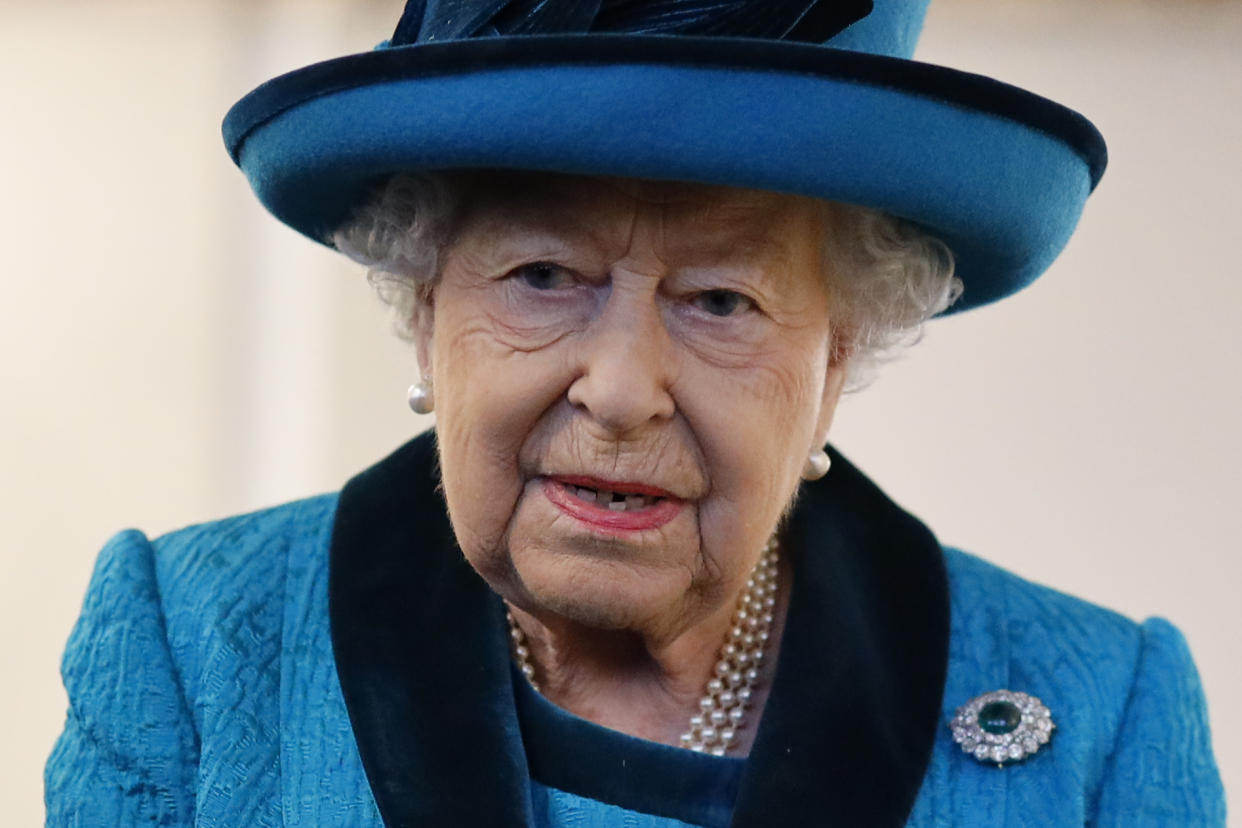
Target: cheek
755 426
491 395
771 397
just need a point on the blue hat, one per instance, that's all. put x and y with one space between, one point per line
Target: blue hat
814 98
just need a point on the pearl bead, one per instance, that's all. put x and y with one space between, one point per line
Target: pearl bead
729 691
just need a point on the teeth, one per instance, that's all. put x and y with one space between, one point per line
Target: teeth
613 501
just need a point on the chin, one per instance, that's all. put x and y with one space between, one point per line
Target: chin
600 594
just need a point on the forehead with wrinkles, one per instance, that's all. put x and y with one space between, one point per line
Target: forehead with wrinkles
701 220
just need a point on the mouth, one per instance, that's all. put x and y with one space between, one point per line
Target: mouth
613 506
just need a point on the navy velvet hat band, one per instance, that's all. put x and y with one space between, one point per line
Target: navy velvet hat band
1001 175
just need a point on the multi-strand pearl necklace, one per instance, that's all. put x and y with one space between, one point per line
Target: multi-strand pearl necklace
731 689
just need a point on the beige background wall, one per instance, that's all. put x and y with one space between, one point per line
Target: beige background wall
169 354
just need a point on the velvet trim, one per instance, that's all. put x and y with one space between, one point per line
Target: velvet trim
952 87
423 661
849 728
421 652
585 759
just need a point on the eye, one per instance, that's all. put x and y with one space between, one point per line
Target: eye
543 276
722 302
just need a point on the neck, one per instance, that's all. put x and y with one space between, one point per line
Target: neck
644 685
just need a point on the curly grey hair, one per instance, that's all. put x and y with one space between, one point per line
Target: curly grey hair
885 276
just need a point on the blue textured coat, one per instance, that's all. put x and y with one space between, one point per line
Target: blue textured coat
333 662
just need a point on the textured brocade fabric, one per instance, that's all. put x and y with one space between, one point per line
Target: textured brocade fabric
1132 745
128 752
201 684
1163 743
559 809
203 691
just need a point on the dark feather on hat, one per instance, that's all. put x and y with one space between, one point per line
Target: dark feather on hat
811 21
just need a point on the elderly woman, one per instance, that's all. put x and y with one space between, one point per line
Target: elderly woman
624 582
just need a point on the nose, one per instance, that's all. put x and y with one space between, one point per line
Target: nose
625 366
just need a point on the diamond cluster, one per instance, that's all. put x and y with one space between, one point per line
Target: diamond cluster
1032 730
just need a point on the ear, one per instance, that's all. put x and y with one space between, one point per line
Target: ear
840 351
834 385
422 326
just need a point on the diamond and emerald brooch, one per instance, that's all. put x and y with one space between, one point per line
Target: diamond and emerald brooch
1003 726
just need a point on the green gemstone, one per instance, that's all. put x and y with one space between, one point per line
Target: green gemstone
1000 717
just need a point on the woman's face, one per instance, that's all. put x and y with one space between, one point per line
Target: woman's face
628 378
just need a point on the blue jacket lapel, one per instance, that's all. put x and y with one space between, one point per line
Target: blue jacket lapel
321 776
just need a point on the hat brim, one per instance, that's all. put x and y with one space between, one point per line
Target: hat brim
999 174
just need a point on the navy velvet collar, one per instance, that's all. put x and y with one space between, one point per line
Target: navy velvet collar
583 758
422 655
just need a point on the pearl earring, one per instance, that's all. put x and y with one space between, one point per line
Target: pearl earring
420 397
817 465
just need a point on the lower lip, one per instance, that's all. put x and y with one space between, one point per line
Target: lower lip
605 519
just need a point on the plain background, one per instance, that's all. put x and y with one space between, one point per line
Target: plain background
171 354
